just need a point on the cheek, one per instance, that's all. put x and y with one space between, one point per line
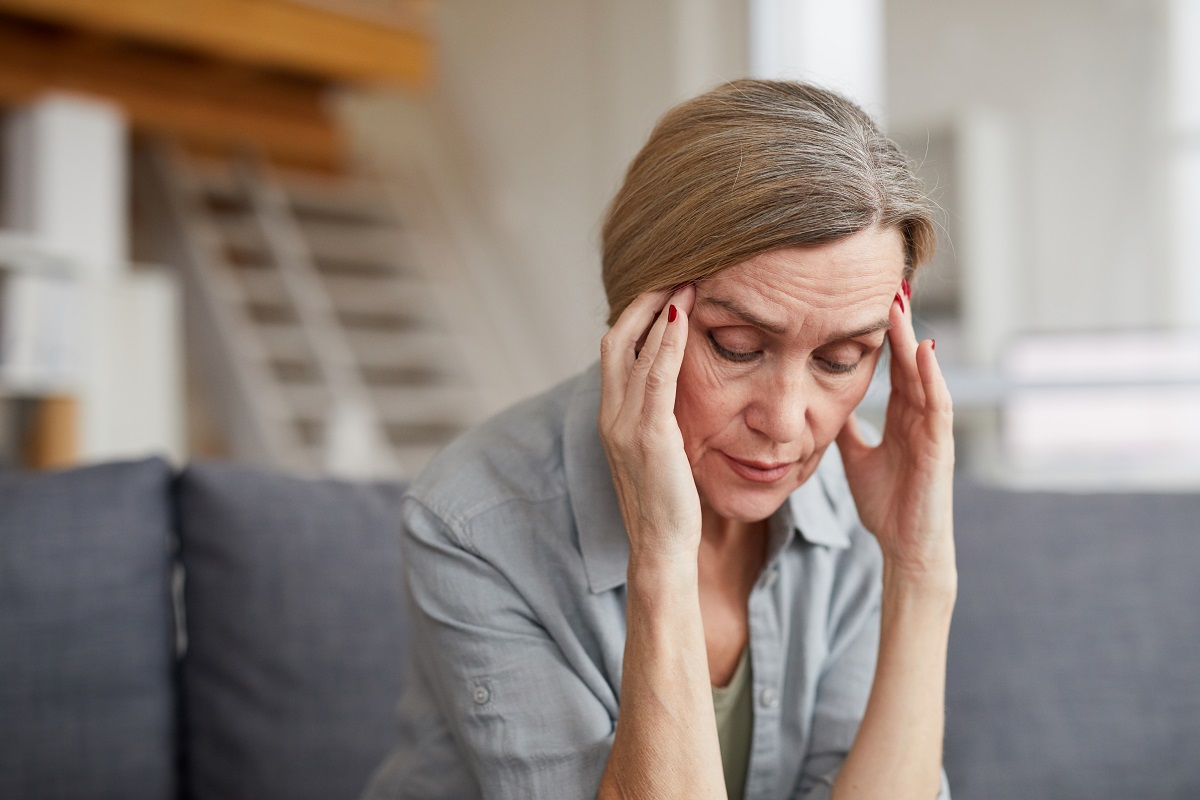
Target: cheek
842 402
705 400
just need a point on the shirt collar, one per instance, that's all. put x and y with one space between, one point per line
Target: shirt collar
810 511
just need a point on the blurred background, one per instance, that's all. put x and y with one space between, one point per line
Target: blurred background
325 236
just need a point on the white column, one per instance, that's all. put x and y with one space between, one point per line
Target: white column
1183 31
985 163
67 167
67 180
838 44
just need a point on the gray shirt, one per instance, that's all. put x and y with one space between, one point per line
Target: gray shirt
515 558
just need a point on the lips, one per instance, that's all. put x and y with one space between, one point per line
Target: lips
759 471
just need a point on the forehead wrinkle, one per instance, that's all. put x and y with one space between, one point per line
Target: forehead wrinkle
874 327
744 315
751 318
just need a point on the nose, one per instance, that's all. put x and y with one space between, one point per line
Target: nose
780 407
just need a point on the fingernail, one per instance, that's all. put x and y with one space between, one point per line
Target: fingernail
907 288
672 313
933 344
900 300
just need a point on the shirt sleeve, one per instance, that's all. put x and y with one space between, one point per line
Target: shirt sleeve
522 720
845 685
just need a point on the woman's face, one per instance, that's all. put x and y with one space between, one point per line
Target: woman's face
781 348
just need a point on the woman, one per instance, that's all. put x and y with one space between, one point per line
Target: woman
656 580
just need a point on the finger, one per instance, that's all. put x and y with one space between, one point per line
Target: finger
902 369
937 393
663 378
644 374
684 298
617 349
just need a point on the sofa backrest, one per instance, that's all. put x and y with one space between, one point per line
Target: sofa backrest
1074 665
296 642
87 704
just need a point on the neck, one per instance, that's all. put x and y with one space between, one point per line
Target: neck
720 534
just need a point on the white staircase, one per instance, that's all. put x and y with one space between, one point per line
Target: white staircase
322 343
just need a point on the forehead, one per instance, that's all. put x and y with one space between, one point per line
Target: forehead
855 276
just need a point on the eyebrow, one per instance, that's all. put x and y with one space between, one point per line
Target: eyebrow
753 319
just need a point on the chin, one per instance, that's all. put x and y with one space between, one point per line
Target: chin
745 504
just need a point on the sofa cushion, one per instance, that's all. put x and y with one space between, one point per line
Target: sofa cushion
86 697
1074 665
295 635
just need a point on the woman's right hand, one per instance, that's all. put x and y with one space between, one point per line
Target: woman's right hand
651 472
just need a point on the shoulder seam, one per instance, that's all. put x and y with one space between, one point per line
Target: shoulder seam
460 523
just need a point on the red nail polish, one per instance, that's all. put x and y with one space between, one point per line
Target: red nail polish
672 313
900 300
907 287
933 344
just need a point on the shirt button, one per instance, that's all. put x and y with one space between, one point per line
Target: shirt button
481 695
769 698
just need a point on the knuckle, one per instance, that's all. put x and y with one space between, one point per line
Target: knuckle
608 344
644 438
644 361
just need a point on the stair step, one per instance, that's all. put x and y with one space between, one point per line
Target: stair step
430 434
362 303
350 293
405 375
341 198
426 405
365 244
373 349
345 207
284 343
263 286
307 401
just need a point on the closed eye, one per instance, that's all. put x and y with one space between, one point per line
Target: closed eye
838 367
737 356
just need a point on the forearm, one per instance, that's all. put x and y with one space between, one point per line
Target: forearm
898 750
666 738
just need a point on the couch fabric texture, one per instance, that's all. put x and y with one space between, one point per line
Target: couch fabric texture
87 706
1074 668
295 637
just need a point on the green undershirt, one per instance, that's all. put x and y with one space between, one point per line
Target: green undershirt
734 706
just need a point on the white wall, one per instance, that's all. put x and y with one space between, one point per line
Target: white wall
1082 84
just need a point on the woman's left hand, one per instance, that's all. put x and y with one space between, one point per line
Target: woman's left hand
903 487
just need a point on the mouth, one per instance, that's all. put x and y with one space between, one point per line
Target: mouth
759 471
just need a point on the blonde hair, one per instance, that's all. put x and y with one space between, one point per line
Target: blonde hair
753 166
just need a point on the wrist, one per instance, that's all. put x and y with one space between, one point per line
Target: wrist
933 585
658 573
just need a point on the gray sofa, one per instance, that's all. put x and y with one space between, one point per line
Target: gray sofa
1074 668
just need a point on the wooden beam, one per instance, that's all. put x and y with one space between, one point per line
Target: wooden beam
305 38
199 101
